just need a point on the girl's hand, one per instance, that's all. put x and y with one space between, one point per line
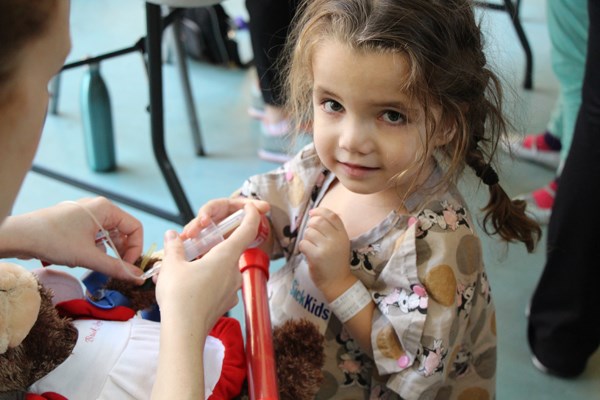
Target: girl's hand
326 246
217 210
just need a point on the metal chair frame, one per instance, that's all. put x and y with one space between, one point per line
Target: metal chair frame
151 46
512 7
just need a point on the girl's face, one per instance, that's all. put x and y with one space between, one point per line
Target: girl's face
366 130
22 117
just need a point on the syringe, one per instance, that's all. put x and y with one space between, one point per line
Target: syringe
212 235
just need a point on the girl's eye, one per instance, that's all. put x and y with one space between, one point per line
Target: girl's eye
394 117
332 106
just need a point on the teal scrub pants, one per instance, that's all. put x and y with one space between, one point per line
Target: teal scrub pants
568 23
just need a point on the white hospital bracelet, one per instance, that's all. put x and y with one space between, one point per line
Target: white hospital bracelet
351 302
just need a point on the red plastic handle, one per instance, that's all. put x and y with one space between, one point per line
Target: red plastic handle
262 378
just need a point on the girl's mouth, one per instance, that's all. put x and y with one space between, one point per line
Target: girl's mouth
356 170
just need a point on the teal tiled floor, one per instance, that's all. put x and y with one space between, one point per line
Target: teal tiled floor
231 138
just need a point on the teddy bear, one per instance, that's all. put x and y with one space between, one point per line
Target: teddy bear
40 328
28 322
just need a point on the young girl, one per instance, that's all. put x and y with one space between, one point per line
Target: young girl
381 251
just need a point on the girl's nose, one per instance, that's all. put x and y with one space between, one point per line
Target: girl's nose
355 136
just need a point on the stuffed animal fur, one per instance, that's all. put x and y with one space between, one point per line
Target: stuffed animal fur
49 338
299 358
30 349
141 297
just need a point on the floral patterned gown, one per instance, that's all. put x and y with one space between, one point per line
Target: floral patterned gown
433 330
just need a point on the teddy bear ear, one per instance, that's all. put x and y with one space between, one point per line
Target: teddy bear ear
62 285
19 304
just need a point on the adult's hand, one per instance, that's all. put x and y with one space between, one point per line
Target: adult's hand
65 234
191 296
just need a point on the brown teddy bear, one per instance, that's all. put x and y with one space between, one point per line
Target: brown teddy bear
31 348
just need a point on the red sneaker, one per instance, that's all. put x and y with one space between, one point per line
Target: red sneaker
540 202
535 149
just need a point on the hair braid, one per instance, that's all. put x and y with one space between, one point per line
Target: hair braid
507 217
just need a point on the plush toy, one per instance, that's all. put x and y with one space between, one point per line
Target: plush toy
34 350
26 353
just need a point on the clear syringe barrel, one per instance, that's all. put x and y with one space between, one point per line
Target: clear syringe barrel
212 235
215 233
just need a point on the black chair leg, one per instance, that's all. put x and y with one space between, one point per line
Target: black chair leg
512 8
154 53
54 95
513 11
186 87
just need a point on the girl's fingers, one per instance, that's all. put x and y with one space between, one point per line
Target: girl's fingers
321 215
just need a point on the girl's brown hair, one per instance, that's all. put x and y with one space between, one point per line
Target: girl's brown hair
447 69
20 22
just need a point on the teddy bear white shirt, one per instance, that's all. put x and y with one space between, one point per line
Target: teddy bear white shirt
118 360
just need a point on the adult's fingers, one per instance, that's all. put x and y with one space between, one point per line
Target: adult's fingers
173 247
244 235
116 268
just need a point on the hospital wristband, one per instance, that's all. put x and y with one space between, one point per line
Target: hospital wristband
351 302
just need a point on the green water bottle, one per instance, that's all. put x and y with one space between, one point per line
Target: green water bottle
97 121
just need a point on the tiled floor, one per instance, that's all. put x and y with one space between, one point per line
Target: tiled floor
231 140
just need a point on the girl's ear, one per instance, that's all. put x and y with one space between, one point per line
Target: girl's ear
445 132
444 137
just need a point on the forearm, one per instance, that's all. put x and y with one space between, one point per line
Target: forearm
18 237
359 326
180 373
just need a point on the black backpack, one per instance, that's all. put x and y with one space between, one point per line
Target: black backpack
205 32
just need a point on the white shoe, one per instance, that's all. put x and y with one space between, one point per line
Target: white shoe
567 374
525 148
541 367
540 214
